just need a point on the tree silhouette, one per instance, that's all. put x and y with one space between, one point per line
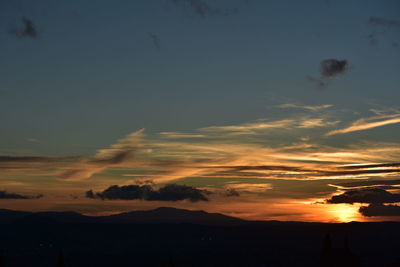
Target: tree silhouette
2 258
60 259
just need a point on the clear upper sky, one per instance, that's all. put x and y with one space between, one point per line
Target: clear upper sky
77 76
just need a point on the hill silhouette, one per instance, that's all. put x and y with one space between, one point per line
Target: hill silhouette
159 215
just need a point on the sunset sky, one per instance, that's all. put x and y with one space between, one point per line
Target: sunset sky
267 110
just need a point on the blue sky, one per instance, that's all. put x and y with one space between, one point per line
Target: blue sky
98 71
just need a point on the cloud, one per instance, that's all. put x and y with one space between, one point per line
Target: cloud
249 188
368 166
370 195
118 154
369 183
27 159
377 21
316 122
170 192
319 83
248 127
329 69
333 67
202 8
368 123
6 195
380 210
174 192
259 126
155 40
295 172
248 150
178 135
373 38
306 107
231 192
28 30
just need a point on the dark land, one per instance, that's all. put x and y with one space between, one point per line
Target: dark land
174 237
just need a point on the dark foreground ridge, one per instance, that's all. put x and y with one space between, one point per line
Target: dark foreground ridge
176 237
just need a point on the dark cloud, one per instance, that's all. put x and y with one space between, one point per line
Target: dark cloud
328 68
6 195
333 67
202 8
24 159
372 39
116 158
174 192
369 183
357 172
380 210
231 192
28 29
370 195
319 83
170 192
384 22
155 40
270 170
365 166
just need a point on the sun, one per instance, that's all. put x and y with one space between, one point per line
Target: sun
344 212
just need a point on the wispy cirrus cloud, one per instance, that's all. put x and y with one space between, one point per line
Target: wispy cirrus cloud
247 150
249 127
116 155
379 21
306 107
248 188
179 135
368 123
263 125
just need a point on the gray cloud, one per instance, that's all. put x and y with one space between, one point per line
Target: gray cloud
370 195
269 170
319 83
384 22
372 39
369 183
27 30
170 192
329 68
380 210
333 67
27 159
6 195
155 40
231 192
202 8
365 166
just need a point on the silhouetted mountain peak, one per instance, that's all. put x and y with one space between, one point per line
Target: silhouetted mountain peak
171 215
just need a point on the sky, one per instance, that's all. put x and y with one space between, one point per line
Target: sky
264 110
